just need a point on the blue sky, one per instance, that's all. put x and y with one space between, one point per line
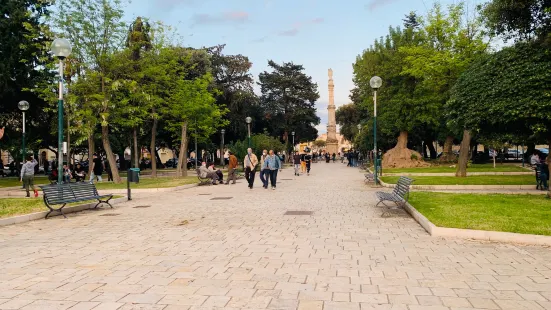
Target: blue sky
319 34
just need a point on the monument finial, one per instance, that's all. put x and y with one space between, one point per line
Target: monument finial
330 71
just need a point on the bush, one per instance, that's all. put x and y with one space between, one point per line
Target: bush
259 142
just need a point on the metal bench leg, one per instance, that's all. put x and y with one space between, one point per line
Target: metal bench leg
61 211
104 201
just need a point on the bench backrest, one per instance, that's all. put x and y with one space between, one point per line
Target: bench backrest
402 187
60 193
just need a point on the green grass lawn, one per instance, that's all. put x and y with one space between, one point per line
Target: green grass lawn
525 214
150 183
19 206
11 181
471 180
448 169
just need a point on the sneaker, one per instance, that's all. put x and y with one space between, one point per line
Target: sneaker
273 188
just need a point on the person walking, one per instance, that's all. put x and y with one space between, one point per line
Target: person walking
27 175
273 163
296 163
97 169
249 163
232 168
308 160
264 173
302 163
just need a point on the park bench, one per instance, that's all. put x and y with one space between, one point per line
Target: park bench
62 194
399 195
369 177
203 181
539 180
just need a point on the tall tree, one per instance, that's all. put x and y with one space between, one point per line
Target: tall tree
348 118
521 20
288 100
518 100
450 42
96 31
24 63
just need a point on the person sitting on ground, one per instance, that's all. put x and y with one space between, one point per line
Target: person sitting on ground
80 173
205 173
218 173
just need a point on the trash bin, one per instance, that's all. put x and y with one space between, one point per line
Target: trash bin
134 175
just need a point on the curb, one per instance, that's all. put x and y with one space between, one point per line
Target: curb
16 194
496 236
446 174
462 187
151 190
40 215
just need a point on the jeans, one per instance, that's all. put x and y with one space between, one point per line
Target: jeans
297 168
264 175
307 167
273 177
249 176
93 176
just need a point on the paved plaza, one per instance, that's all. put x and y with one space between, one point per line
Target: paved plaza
182 250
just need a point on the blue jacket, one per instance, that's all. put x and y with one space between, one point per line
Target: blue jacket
272 163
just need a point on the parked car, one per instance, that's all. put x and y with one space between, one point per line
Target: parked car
172 163
514 154
544 151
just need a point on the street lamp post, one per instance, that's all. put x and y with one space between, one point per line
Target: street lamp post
375 83
248 120
23 106
61 48
223 131
293 134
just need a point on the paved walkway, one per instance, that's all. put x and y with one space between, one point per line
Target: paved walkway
187 251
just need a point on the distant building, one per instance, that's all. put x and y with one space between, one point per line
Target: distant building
343 144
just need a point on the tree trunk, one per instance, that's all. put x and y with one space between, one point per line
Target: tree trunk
402 157
153 148
464 154
447 153
91 148
109 153
182 163
135 146
432 150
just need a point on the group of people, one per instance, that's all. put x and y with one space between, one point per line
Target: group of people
302 163
270 164
537 161
79 173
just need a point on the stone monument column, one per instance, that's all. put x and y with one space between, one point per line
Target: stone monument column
332 145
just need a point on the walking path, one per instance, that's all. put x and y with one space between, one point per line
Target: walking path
187 251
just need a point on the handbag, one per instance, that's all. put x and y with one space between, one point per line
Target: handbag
254 169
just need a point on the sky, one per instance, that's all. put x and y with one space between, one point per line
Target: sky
318 34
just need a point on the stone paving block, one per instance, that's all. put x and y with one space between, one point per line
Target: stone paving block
310 305
341 305
429 300
15 303
283 304
483 303
403 299
518 305
341 297
315 295
455 302
85 305
49 304
369 298
183 300
147 298
142 307
249 303
216 301
109 306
